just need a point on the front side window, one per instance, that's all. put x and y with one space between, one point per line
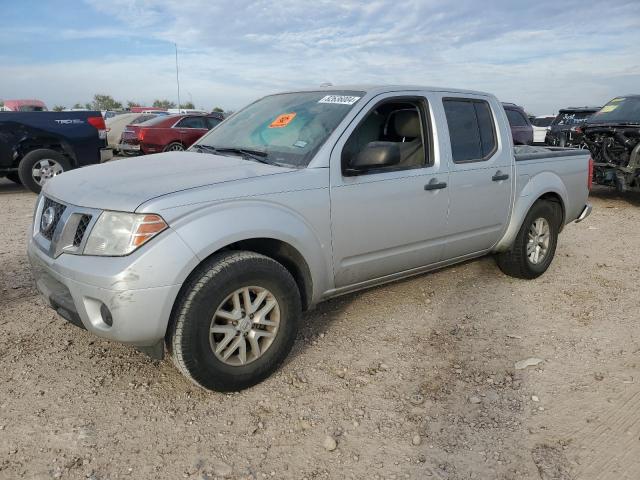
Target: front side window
191 122
212 122
471 129
287 128
398 121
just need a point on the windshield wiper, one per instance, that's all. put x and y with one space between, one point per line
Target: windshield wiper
257 155
205 148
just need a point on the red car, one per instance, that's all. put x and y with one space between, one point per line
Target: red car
167 133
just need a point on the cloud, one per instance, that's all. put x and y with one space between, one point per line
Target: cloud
533 53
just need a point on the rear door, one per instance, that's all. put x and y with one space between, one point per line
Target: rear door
481 173
392 219
191 129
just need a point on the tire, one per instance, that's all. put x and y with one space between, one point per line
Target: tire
209 292
174 147
517 262
14 177
129 153
53 163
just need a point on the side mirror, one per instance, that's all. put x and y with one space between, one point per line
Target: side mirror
374 155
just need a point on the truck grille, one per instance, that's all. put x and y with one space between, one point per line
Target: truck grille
80 231
51 213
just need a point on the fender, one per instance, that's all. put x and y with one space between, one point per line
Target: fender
28 143
212 228
543 183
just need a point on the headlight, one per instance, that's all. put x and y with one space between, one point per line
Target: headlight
117 233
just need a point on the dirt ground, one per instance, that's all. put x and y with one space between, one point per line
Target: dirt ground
416 379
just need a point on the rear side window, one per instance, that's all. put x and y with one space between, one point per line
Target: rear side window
471 129
516 119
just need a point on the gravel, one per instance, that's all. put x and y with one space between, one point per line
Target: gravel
379 384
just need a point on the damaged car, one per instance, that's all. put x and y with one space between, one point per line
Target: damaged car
613 137
565 129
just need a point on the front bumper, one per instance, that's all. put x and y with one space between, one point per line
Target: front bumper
139 316
586 211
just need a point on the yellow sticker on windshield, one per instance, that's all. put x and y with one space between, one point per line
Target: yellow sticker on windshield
608 108
283 120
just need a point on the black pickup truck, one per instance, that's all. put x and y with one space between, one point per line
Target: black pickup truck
35 146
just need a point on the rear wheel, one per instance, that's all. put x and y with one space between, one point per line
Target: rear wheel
174 147
39 166
535 245
235 321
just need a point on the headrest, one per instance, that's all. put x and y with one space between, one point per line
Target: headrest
407 123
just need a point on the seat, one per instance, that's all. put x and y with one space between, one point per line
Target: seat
406 124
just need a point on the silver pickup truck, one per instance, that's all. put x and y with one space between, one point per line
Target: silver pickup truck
214 253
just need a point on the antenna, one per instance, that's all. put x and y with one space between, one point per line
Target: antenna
177 77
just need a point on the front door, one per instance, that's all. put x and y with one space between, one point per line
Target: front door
390 219
191 129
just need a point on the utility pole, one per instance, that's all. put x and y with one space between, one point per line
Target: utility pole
177 76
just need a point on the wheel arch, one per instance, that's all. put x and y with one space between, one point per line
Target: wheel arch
282 252
522 207
29 144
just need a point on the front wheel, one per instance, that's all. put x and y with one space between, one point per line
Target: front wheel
535 245
39 166
235 321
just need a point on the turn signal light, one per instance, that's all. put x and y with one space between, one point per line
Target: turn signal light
149 226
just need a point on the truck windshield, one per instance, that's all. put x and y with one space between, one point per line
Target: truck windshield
619 110
287 128
571 118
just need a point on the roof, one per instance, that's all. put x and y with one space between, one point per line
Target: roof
378 89
580 109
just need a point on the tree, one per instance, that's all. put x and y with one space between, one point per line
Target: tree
58 108
218 109
78 105
131 103
105 102
163 104
188 105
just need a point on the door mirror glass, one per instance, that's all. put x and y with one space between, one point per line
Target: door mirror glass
375 155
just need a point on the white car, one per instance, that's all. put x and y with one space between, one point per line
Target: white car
185 111
540 127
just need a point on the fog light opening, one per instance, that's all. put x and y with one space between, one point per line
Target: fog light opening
106 315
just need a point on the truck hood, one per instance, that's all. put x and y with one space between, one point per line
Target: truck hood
126 184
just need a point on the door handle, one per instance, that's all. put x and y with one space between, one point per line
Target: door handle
435 185
500 176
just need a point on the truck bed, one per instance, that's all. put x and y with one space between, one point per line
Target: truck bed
527 152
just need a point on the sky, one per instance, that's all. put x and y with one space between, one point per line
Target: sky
541 54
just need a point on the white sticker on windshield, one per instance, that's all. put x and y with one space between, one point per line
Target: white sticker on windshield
339 99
